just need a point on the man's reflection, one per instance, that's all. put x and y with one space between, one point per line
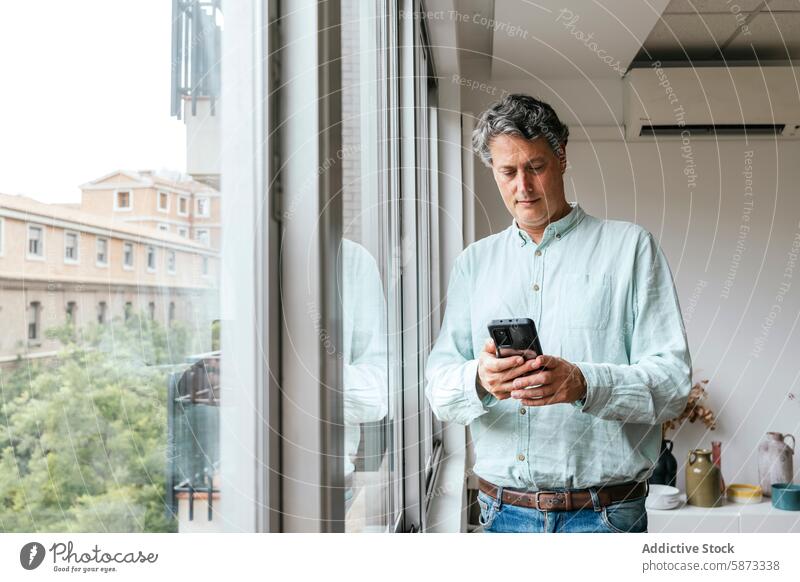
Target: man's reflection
364 350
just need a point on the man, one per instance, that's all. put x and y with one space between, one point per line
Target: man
565 442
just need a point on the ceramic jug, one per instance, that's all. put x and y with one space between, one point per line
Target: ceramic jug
703 480
775 461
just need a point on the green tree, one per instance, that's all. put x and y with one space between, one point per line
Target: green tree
83 436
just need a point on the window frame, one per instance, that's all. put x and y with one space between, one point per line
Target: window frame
97 261
159 194
172 261
183 198
154 268
197 212
207 231
41 255
132 265
129 207
37 322
77 259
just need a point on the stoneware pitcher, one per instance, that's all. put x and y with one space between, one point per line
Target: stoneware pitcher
775 461
703 480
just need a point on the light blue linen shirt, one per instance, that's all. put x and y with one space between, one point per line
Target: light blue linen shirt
602 296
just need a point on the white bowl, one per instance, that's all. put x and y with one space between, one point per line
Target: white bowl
661 502
664 491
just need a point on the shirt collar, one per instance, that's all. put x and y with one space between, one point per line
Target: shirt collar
555 229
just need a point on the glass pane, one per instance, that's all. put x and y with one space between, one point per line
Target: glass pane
364 257
109 365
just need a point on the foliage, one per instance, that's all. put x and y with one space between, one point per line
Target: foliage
694 410
83 436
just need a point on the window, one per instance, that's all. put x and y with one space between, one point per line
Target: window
127 256
151 310
203 207
171 262
171 314
203 236
151 258
205 266
34 312
72 312
35 242
183 231
123 200
163 202
101 247
128 311
163 227
183 206
71 246
101 312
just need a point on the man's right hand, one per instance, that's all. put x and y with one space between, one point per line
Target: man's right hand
496 375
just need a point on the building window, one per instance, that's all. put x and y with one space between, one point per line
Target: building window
203 236
183 231
203 207
34 313
163 202
122 200
163 227
71 246
101 312
151 308
205 266
35 242
171 262
171 312
128 310
72 312
151 258
102 252
127 255
183 206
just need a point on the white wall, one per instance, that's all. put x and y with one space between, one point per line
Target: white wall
725 301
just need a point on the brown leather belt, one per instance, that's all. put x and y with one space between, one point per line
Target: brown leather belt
567 500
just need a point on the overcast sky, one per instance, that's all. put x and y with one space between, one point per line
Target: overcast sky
84 90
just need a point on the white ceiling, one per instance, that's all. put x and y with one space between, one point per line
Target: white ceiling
711 30
570 40
573 39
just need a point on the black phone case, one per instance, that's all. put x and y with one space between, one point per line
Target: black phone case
515 337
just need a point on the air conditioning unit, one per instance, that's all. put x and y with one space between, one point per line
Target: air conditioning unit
712 102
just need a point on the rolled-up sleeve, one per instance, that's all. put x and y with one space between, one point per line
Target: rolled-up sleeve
655 386
452 367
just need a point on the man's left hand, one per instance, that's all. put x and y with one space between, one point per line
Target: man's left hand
556 381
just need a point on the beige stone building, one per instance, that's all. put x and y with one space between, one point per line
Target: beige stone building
137 243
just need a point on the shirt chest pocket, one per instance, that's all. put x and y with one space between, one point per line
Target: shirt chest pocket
586 300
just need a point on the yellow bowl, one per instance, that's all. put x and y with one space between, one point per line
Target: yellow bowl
743 493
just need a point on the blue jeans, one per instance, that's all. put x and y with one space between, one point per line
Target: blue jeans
628 516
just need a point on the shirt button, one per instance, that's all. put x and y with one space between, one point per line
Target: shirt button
538 253
522 411
536 287
558 236
521 457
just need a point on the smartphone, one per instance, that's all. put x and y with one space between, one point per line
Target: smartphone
515 337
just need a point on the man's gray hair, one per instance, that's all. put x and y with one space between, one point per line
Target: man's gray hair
519 114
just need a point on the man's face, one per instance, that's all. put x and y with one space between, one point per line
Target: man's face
530 178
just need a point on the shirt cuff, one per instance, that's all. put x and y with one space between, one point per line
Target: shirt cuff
598 387
470 384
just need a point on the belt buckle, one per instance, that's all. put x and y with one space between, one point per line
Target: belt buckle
559 498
